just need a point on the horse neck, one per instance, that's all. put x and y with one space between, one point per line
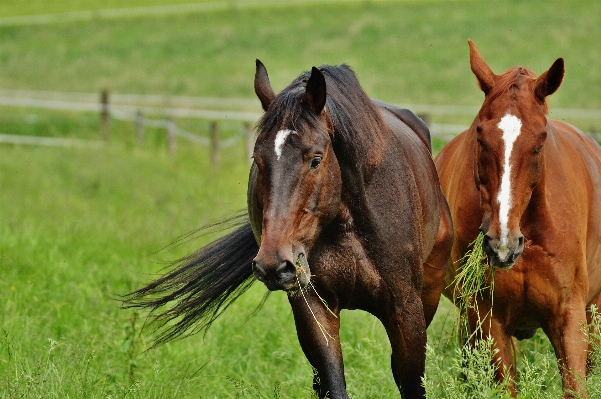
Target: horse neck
358 160
538 200
371 179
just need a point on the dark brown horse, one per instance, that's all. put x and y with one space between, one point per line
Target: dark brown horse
533 187
344 203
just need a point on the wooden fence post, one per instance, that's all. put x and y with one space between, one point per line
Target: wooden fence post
104 114
250 140
140 127
214 149
171 135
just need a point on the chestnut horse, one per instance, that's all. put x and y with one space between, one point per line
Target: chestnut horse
345 212
532 186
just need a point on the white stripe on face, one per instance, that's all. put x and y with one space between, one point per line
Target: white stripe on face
511 127
280 139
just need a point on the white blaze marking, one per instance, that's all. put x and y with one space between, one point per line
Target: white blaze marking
280 139
511 127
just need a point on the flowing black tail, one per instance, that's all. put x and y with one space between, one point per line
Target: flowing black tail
202 286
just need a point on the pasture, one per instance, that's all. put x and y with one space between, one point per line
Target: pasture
79 227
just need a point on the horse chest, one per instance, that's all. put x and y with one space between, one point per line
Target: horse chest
529 293
346 270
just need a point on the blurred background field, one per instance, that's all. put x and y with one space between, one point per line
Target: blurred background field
81 225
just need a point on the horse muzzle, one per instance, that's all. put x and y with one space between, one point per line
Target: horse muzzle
282 274
503 254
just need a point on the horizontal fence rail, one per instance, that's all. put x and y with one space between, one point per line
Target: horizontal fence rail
159 111
50 141
243 106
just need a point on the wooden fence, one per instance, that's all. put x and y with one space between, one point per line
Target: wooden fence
160 112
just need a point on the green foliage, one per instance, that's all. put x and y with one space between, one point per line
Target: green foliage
79 227
10 8
593 329
403 52
474 276
470 376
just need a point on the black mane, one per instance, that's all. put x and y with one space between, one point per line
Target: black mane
358 126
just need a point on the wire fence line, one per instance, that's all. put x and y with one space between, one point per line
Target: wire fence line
248 106
118 114
158 111
50 141
148 110
87 102
128 107
223 103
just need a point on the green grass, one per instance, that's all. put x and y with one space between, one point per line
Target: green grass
13 8
403 52
407 52
79 227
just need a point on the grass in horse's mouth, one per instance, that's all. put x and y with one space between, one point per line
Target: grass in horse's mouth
300 269
474 277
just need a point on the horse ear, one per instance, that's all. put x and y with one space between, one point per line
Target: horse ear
315 92
485 75
262 86
547 83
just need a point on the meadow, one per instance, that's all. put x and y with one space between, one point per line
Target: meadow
80 227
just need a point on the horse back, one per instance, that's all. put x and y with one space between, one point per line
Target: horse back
414 122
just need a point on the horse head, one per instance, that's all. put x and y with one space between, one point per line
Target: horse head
295 184
511 130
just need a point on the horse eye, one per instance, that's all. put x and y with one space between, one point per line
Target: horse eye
538 149
315 161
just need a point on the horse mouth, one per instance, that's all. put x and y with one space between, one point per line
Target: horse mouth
501 255
303 273
296 278
302 278
508 261
497 264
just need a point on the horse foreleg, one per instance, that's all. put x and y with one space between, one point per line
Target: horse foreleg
318 333
406 329
565 331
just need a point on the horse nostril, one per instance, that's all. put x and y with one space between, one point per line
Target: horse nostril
285 270
487 246
519 248
258 270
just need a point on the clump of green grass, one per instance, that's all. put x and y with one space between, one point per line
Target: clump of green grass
593 331
473 279
471 373
469 281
